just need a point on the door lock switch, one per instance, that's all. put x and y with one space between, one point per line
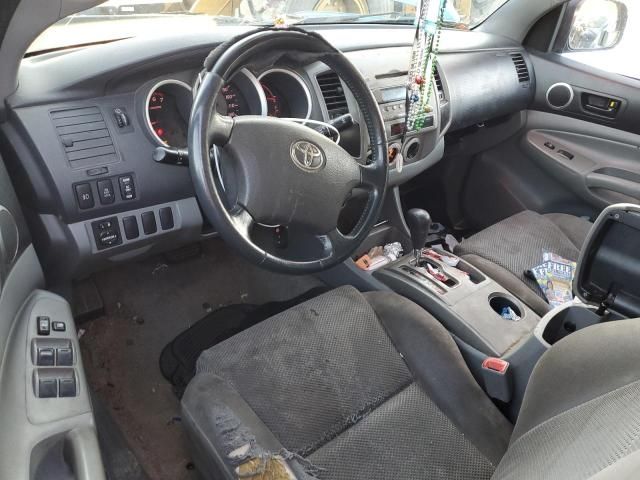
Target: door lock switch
58 326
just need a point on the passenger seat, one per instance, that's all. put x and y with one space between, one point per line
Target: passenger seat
504 251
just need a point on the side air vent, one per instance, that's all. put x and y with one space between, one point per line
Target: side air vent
521 67
438 81
333 94
85 137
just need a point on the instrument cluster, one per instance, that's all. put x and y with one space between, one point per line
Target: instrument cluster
277 92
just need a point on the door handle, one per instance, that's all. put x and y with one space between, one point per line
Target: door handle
82 453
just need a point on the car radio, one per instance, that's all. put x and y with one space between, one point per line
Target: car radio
392 101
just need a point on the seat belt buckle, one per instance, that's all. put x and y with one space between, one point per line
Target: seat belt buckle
497 378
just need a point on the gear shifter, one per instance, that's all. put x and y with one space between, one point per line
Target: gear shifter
419 222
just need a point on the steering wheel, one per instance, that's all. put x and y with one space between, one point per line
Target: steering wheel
285 173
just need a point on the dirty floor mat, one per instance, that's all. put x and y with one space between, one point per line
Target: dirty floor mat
178 358
147 304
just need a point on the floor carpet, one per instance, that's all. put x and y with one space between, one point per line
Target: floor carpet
147 304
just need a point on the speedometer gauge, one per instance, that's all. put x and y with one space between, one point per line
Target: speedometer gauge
231 102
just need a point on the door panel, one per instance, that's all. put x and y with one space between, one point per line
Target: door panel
585 82
600 165
576 159
48 428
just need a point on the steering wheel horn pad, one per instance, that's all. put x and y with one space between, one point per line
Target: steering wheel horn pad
290 174
285 172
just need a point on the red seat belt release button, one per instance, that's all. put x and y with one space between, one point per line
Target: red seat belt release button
496 364
497 378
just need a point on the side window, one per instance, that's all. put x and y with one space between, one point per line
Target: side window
604 34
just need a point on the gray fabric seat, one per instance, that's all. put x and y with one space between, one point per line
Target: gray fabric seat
370 386
504 251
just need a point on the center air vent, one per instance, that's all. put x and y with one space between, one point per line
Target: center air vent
333 94
84 136
438 82
521 67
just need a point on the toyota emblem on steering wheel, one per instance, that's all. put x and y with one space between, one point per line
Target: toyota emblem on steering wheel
307 156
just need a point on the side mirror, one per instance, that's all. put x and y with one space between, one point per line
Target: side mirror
597 25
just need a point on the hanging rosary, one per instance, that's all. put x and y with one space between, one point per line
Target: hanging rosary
423 63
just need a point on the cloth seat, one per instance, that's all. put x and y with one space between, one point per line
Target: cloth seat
370 386
505 250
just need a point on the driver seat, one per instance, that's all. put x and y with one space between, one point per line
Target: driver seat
369 386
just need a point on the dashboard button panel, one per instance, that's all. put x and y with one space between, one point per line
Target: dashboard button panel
127 187
106 232
84 195
106 192
149 225
130 224
166 218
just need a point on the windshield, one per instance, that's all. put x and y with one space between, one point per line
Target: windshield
117 19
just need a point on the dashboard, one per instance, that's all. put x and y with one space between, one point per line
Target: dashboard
83 127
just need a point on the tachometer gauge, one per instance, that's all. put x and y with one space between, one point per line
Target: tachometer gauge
168 108
286 93
275 106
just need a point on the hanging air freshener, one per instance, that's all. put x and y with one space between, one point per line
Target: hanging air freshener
425 49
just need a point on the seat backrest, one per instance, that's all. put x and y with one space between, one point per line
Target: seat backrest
580 418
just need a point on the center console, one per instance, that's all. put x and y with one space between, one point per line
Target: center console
472 306
607 280
487 321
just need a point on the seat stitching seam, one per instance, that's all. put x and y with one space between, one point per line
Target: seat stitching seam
337 429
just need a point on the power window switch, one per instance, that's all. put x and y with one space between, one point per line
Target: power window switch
64 357
47 387
550 145
44 325
58 326
67 387
45 357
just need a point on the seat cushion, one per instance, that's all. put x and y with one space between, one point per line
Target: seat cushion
327 385
506 250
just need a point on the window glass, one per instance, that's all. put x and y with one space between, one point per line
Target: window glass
117 19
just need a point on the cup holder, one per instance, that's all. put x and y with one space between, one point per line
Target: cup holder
498 301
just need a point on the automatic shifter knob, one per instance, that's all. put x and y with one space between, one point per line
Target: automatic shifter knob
419 222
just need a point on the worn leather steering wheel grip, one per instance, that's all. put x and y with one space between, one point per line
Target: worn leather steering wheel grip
267 175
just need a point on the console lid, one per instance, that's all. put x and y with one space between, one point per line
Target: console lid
608 272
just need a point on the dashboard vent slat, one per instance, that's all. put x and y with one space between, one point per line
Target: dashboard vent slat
521 67
85 136
333 94
438 81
